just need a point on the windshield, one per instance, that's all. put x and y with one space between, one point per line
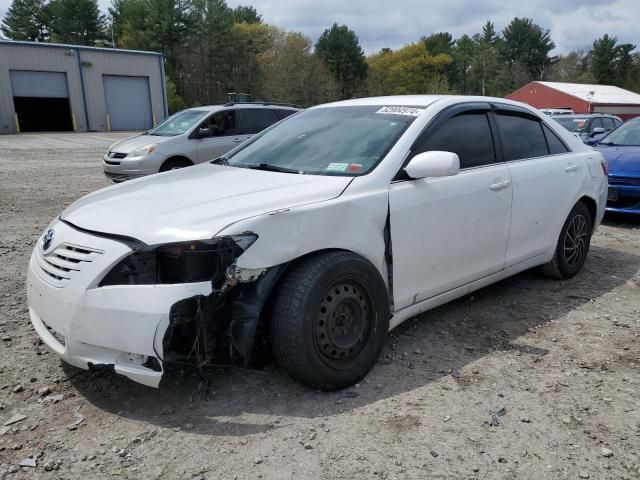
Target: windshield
346 141
572 124
627 134
178 123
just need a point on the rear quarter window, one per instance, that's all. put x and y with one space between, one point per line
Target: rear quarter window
556 146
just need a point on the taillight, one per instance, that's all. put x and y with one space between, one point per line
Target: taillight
605 167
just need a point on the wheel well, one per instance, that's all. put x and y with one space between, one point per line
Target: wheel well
175 158
287 266
591 205
270 293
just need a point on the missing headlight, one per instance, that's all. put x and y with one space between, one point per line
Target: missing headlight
182 262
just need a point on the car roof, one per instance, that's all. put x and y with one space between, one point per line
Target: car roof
588 115
419 101
235 105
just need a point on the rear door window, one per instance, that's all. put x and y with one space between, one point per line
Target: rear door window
467 134
522 136
254 120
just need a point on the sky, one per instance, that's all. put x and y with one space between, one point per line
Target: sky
573 24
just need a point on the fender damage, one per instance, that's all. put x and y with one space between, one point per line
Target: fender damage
224 327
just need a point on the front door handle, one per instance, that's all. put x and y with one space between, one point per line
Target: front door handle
500 185
572 167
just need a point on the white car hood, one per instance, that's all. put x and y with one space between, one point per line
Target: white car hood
129 144
196 202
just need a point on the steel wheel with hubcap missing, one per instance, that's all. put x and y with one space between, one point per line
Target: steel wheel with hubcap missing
342 324
330 319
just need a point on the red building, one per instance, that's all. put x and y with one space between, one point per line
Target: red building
581 98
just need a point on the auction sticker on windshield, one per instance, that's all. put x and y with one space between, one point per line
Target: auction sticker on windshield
411 111
337 167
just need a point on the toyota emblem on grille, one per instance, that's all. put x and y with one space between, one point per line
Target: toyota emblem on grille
47 238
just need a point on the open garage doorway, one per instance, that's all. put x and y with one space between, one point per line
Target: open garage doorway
41 101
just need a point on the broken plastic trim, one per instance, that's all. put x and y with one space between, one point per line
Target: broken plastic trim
221 328
180 262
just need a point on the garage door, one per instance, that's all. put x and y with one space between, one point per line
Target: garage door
128 102
39 84
41 100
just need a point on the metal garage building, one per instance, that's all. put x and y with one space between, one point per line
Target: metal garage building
581 98
52 87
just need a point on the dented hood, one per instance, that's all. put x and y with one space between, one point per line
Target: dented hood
196 202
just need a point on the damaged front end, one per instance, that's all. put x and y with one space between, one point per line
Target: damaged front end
214 329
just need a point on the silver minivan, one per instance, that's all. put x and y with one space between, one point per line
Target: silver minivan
190 136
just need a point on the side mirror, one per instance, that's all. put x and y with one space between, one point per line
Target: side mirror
597 131
433 164
205 132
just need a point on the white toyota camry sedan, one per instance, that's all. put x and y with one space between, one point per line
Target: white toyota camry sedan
315 237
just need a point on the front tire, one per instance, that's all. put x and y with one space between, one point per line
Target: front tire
573 244
175 164
330 319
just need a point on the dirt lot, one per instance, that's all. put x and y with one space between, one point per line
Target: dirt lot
528 379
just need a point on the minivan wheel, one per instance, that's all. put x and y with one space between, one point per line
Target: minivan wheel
175 164
330 319
573 244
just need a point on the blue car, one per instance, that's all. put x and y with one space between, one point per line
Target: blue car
621 148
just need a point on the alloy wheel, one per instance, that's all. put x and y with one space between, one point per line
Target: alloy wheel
575 241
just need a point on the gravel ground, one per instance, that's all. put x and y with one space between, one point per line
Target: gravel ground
529 378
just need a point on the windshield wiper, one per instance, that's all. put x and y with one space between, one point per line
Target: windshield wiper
219 161
272 168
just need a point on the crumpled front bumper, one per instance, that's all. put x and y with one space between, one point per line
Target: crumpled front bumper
121 326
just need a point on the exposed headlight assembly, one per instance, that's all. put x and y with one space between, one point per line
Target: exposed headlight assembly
143 151
181 262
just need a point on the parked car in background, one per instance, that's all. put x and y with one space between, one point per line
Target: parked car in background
191 136
621 148
315 238
556 111
590 128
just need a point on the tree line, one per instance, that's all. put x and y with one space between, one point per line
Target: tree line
211 49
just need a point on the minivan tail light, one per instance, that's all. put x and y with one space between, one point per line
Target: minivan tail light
605 167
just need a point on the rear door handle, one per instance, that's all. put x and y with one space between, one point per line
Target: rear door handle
572 167
500 185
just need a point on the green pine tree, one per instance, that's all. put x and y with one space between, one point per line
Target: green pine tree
26 20
340 50
77 22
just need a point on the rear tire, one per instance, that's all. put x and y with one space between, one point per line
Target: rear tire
573 245
330 320
175 164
